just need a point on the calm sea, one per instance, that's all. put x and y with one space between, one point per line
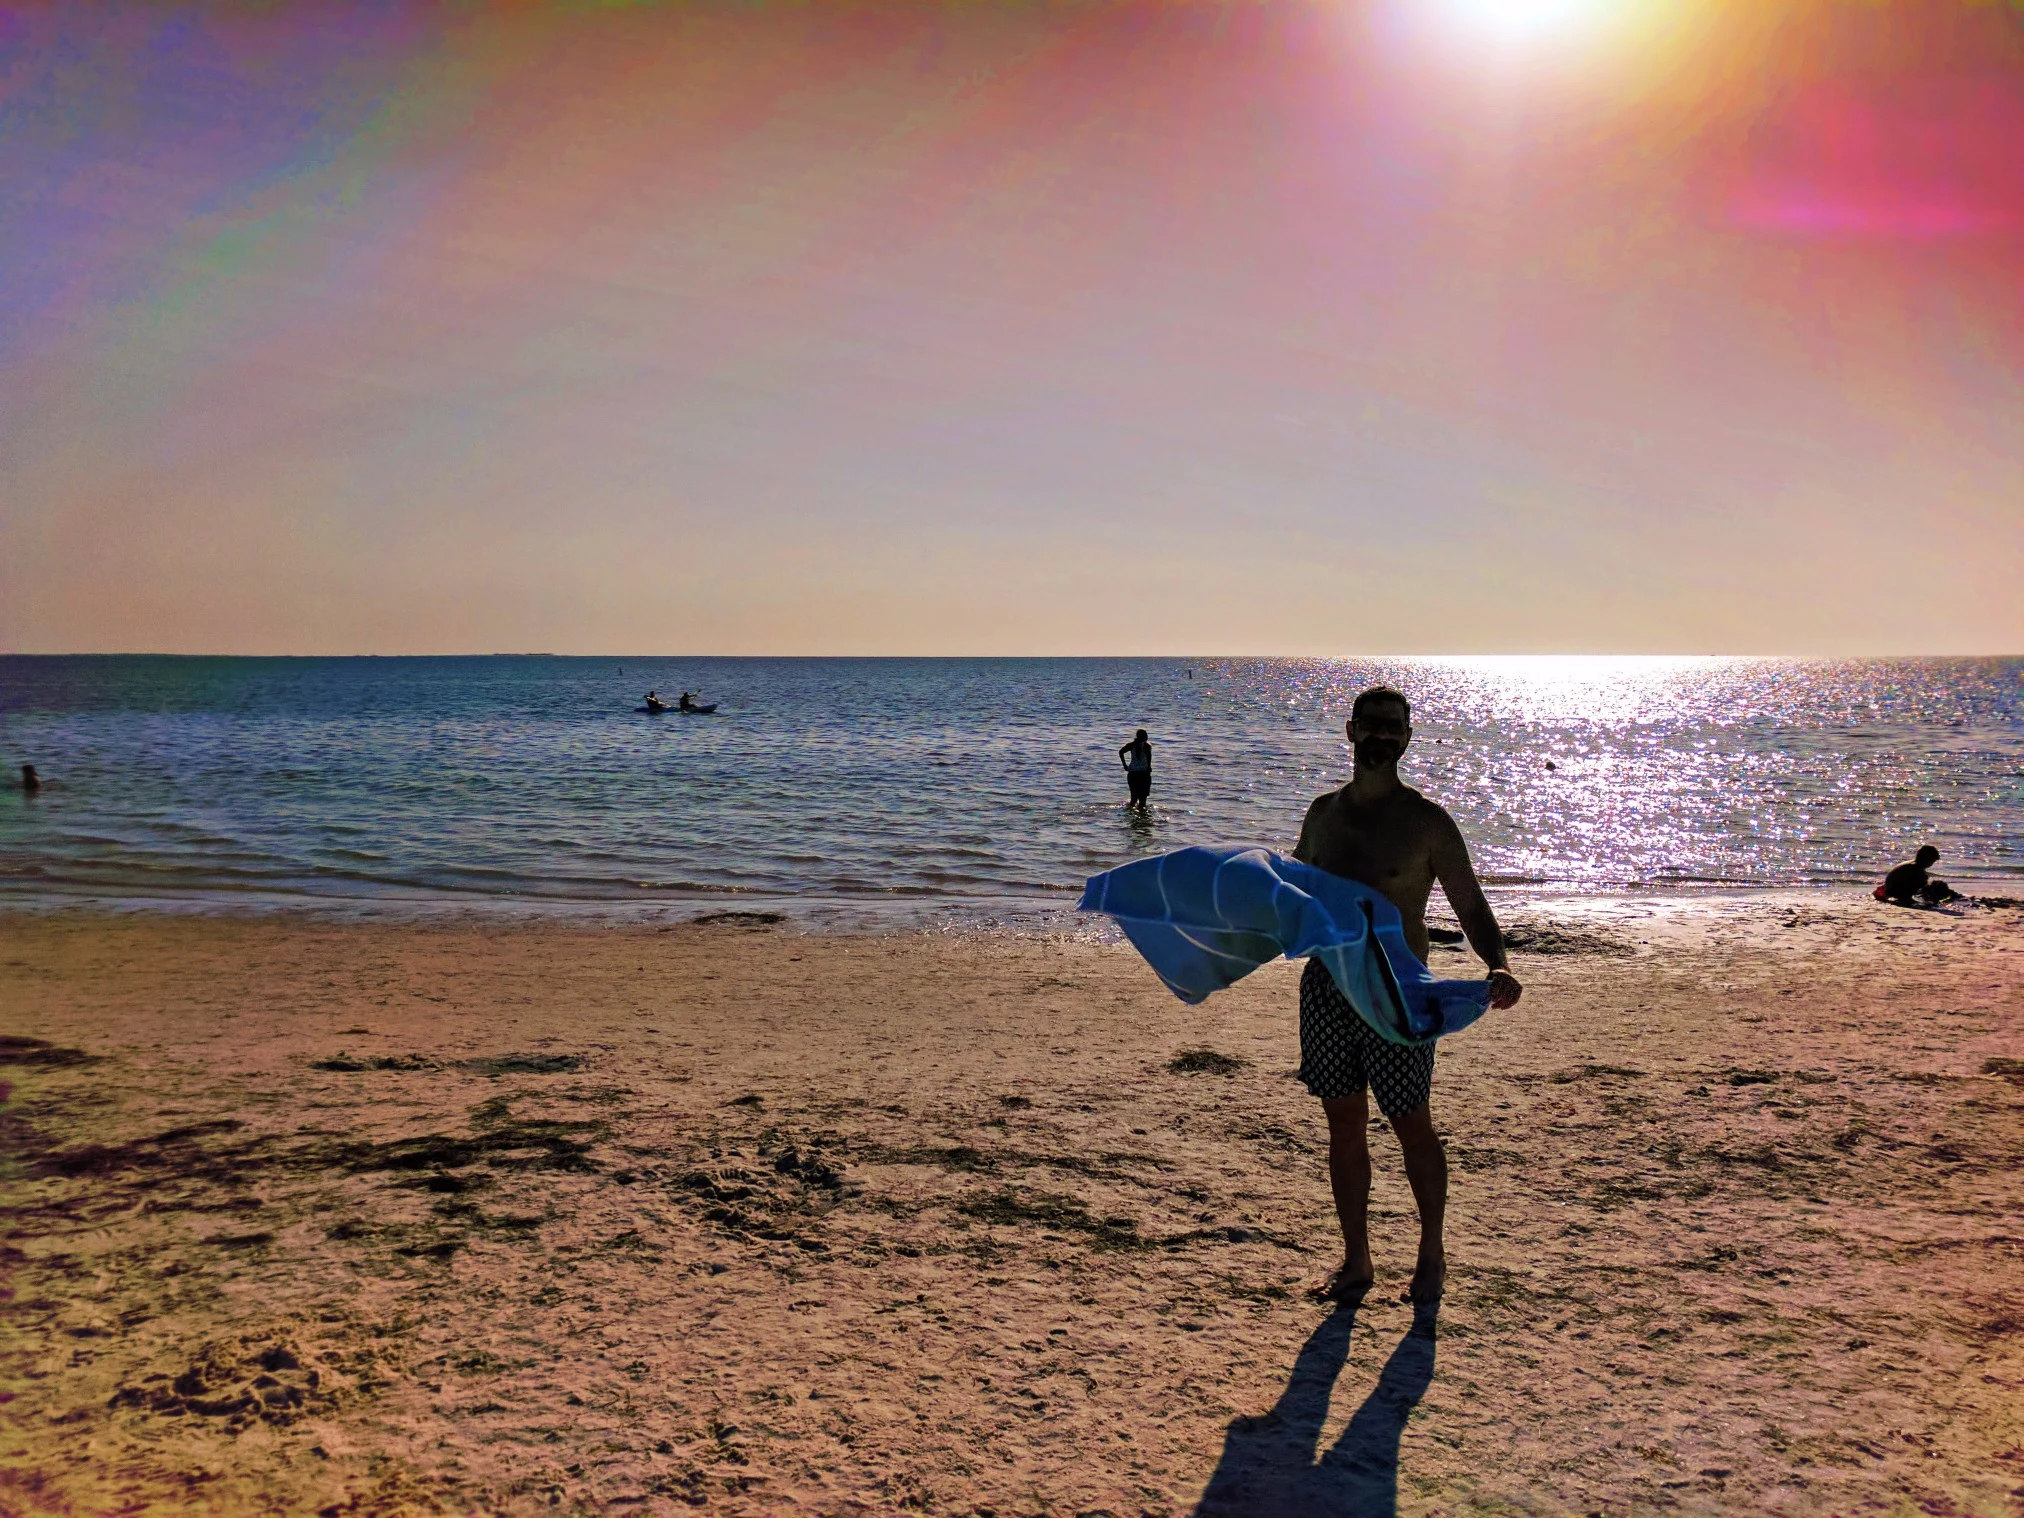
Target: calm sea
970 785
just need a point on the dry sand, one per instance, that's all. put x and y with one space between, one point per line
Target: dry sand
380 1218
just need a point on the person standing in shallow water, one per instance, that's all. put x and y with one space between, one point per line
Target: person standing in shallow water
1137 759
1380 832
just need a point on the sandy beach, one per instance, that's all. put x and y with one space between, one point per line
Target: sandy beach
376 1218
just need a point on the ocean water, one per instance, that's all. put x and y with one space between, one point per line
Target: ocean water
919 785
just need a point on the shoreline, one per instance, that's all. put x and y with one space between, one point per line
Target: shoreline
963 916
525 1217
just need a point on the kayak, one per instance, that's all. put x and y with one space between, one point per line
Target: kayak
677 711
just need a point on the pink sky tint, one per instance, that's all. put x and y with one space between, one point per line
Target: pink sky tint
1006 327
1917 159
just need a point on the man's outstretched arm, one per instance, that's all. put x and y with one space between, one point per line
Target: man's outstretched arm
1457 875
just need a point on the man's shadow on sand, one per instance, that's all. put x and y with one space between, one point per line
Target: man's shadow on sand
1270 1465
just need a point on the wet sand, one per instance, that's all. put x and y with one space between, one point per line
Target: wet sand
378 1218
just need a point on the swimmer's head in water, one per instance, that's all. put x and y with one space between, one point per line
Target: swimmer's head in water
1925 856
1380 726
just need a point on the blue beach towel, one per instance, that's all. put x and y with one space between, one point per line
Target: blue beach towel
1206 918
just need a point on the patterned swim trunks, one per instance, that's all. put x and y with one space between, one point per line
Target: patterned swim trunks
1340 1053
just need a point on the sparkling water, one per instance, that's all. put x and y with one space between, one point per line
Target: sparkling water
938 782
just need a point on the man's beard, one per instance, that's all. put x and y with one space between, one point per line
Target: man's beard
1378 753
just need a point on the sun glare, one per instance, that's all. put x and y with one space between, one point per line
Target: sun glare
1542 30
1524 21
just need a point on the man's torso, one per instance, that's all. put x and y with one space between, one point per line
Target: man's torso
1386 844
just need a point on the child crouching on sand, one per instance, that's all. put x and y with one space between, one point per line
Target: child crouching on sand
1909 885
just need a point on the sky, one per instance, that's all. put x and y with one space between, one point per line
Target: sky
999 326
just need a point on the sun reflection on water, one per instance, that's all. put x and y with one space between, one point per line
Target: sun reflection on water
1594 687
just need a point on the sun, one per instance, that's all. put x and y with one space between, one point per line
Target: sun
1532 40
1518 23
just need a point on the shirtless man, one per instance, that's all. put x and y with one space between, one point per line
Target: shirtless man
1386 835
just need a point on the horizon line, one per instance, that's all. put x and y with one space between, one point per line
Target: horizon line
1168 657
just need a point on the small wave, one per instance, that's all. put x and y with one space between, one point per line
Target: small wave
131 867
698 888
1689 877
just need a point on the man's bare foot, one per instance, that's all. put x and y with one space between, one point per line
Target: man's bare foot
1346 1283
1430 1277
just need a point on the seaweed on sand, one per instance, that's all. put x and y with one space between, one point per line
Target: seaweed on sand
40 1053
345 1063
1205 1062
523 1064
498 1140
1056 1210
